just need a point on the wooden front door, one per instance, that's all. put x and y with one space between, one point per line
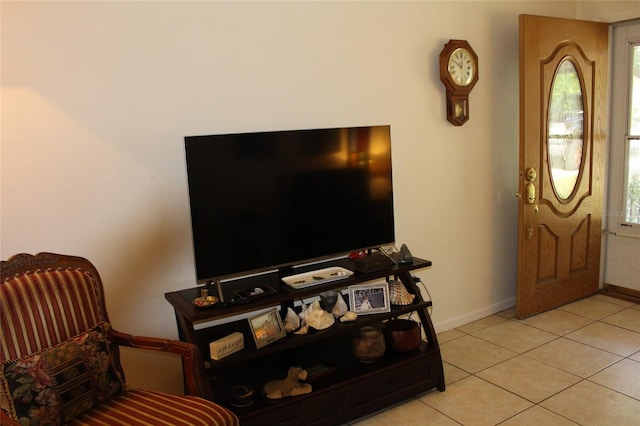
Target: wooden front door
563 101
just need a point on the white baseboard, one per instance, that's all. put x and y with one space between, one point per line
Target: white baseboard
474 316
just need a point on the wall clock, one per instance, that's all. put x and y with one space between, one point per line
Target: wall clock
458 73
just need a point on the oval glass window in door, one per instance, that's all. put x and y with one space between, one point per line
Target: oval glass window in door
565 129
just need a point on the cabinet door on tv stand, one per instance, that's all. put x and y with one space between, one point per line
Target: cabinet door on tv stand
313 410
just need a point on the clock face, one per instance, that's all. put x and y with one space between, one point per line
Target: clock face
461 66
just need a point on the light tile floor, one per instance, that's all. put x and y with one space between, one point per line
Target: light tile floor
575 365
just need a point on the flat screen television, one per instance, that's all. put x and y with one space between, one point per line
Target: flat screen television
272 200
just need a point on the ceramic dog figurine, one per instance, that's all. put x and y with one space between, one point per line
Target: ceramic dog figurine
290 386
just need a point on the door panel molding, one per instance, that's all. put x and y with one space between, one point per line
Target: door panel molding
548 243
580 246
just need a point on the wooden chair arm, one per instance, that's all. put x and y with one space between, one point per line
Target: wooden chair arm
196 382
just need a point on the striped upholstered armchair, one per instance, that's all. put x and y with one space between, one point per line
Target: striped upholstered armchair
60 358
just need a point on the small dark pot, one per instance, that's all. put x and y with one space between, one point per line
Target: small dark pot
403 335
242 396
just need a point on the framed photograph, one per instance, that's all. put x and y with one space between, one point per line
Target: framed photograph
267 327
369 298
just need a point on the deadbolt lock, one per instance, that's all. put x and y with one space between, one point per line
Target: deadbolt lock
531 174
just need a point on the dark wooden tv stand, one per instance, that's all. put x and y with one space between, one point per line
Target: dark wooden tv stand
351 390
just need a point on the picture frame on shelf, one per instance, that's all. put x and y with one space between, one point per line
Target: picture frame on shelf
369 298
267 327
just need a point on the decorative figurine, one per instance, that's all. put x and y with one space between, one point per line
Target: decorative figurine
277 389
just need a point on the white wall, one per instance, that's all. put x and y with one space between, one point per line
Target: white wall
97 97
607 10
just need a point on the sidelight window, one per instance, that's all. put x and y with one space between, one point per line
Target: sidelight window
632 142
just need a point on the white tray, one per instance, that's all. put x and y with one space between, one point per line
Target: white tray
320 276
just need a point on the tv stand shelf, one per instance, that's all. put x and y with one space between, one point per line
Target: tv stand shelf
352 389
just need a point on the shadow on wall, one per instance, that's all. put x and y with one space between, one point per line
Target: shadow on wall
146 257
159 371
505 148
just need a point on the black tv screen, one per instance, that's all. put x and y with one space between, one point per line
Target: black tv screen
263 201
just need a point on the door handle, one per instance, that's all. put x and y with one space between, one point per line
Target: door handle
530 188
531 193
530 196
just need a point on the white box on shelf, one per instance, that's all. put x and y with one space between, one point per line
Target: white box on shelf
226 345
